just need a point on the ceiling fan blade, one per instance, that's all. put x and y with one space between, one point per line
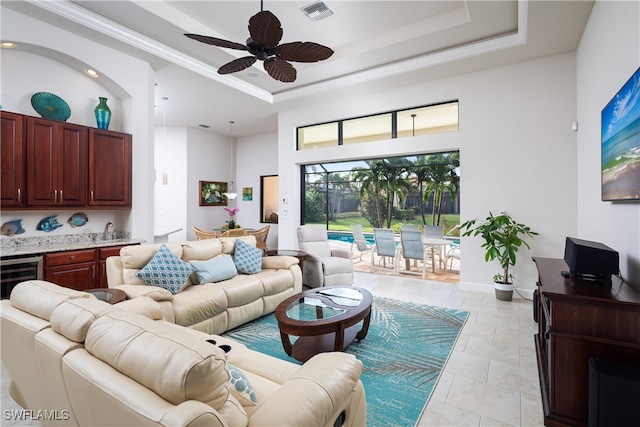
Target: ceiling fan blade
265 29
217 42
280 70
237 65
303 52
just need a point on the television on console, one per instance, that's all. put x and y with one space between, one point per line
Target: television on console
620 139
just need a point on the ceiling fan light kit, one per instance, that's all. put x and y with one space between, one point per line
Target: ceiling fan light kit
265 32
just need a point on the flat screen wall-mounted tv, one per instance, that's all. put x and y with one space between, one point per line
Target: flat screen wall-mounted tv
621 143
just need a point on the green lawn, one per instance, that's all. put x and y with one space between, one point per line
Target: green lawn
344 224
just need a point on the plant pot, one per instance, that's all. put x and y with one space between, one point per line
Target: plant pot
504 291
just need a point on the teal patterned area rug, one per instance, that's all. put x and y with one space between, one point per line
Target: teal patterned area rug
403 355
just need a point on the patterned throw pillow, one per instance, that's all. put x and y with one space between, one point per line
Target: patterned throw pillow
166 270
240 387
248 258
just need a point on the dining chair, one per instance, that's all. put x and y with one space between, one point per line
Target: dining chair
202 235
385 246
261 237
235 232
412 248
359 240
410 227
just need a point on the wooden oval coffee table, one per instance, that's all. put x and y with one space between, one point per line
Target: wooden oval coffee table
325 319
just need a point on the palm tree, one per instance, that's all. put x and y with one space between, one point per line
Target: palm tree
442 176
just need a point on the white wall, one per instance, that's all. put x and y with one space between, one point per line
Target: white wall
609 53
208 160
516 147
256 156
170 210
128 77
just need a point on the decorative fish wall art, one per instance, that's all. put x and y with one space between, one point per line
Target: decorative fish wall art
78 219
12 227
48 224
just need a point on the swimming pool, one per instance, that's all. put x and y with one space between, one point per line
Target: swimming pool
347 236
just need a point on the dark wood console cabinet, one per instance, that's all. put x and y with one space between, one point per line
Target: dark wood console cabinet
576 321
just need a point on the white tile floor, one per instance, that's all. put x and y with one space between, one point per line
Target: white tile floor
491 377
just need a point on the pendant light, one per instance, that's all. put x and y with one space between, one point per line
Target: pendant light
231 194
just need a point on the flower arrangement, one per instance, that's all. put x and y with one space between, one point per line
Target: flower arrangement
232 213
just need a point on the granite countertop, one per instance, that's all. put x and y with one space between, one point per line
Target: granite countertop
35 245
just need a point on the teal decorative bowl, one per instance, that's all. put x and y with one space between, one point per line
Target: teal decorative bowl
50 106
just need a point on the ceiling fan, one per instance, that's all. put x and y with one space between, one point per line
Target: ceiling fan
265 33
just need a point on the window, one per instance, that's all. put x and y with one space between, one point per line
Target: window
385 192
411 122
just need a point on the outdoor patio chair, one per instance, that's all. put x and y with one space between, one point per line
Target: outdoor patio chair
434 231
412 247
359 240
385 246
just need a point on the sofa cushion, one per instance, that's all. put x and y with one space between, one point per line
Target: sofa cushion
135 257
240 387
177 366
215 269
200 250
40 298
166 270
248 258
229 243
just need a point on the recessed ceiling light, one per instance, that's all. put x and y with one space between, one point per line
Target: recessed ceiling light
92 73
8 45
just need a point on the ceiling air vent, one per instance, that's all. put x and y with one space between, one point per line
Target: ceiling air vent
317 11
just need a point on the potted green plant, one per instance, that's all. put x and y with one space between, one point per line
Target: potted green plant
502 238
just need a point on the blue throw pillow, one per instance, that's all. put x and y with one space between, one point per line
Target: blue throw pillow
248 258
166 271
215 269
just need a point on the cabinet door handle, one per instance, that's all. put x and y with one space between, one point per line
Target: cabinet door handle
60 196
55 196
19 195
92 195
93 271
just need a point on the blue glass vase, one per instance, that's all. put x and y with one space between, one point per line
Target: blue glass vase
103 114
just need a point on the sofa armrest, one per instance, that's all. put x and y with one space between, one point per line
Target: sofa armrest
279 261
114 271
156 293
315 394
192 414
342 253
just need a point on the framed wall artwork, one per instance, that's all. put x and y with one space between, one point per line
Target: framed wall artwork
247 193
211 193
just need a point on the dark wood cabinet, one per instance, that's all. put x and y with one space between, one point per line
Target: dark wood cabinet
109 169
56 163
578 320
72 269
80 269
11 159
46 163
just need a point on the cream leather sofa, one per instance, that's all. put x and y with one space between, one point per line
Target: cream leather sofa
78 361
213 307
